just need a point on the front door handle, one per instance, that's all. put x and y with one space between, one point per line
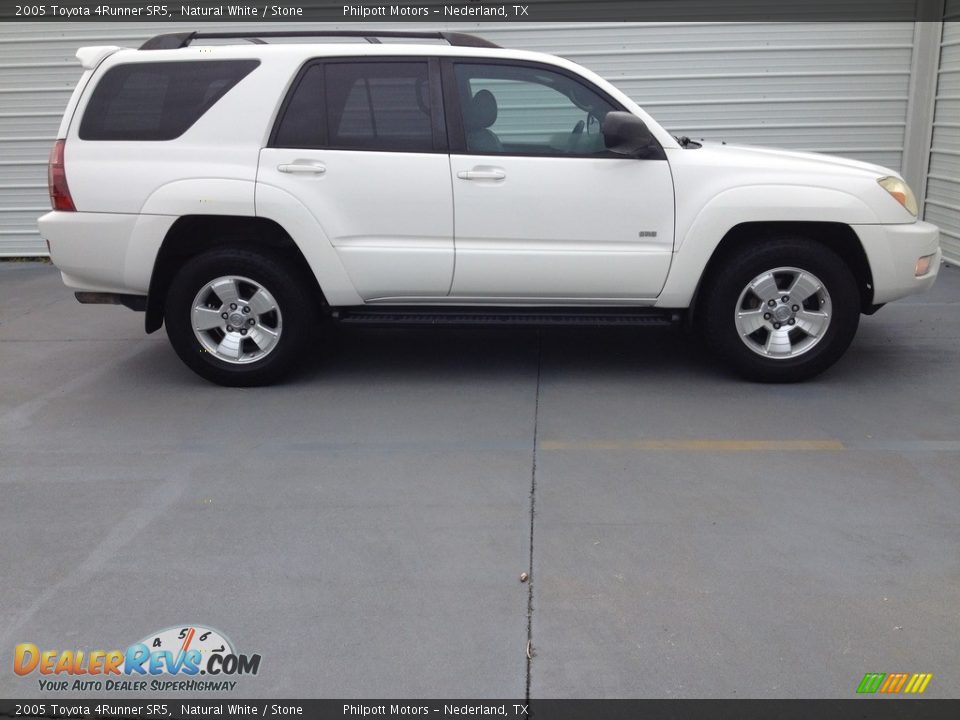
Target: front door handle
477 174
306 168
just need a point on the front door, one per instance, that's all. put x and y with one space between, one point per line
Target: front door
542 210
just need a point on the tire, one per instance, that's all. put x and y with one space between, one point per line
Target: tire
268 308
780 341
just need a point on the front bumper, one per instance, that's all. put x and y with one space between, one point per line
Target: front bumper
893 251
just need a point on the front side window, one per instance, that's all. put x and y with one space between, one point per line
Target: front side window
360 106
525 110
158 100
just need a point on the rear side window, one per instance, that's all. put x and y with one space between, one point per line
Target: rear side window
304 123
158 101
360 106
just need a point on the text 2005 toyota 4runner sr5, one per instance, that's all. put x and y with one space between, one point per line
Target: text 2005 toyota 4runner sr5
241 192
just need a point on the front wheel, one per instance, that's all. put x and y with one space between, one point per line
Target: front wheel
237 318
781 311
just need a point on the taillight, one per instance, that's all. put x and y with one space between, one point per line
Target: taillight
57 179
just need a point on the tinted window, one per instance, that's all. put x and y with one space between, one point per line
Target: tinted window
360 106
157 101
529 110
304 124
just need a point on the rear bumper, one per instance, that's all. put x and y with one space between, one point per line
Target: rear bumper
104 252
893 251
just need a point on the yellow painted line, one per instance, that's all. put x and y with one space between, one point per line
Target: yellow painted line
695 445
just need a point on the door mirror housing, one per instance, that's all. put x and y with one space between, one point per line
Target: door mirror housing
625 134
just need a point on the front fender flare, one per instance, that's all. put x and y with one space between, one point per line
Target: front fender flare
699 239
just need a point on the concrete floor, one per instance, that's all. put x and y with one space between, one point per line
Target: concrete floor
364 526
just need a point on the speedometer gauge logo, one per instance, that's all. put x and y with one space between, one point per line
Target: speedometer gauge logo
194 638
188 650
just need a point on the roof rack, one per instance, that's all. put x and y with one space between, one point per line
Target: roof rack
173 41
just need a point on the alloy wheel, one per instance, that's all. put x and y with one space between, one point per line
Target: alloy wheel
783 313
236 319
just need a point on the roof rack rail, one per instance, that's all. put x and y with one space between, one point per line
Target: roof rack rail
173 41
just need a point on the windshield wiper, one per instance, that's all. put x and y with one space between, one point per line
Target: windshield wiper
687 144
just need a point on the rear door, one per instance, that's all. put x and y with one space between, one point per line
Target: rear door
361 143
543 212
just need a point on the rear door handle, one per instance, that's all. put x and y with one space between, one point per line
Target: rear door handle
475 174
301 167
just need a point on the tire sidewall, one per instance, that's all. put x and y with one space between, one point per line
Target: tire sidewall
272 276
733 277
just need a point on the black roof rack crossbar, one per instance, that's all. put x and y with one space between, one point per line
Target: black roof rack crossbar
173 41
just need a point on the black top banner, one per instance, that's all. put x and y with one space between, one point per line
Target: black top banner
207 11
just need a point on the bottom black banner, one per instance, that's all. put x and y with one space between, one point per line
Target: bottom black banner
854 709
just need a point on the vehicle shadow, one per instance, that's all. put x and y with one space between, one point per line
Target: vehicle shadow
464 354
409 355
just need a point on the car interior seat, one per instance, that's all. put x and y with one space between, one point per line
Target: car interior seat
480 115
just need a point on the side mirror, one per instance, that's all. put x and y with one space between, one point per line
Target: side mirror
625 134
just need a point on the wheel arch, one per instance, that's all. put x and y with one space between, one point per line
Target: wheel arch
837 236
192 235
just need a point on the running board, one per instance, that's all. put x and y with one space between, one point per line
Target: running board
506 317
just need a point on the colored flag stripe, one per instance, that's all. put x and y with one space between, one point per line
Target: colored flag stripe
893 683
870 682
918 683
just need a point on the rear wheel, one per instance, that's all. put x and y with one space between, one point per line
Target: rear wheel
237 318
781 311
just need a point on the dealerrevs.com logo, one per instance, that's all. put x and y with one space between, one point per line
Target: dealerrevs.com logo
187 658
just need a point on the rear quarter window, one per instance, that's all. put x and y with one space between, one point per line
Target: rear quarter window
158 100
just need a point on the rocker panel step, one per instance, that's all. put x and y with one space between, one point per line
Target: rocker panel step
507 317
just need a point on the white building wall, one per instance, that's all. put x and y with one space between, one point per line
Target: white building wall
942 205
831 87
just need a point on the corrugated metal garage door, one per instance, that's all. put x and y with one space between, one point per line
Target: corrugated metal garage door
943 183
833 87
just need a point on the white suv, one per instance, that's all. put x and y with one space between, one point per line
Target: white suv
242 191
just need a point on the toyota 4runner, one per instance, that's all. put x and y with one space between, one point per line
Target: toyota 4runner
239 192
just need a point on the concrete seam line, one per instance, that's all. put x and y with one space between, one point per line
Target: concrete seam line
533 498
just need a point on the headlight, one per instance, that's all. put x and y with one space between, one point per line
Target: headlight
900 192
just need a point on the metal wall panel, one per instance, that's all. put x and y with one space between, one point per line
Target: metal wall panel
833 87
942 205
